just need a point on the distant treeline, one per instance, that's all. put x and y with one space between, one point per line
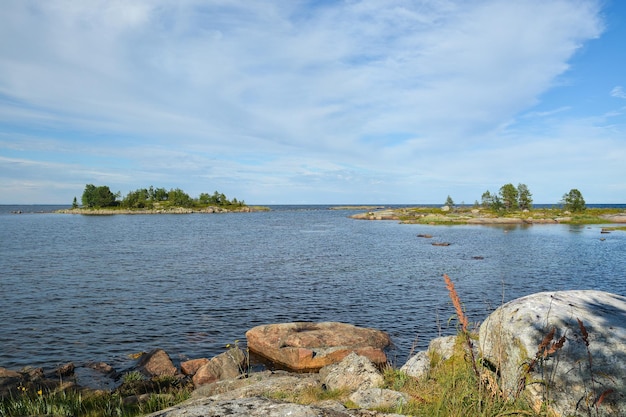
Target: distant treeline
149 198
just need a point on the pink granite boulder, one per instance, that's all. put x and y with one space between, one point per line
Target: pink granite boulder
307 347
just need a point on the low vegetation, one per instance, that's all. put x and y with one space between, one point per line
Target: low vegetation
464 214
134 397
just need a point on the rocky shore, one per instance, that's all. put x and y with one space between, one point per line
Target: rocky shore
446 215
562 350
170 210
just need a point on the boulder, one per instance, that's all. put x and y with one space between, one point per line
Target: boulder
564 349
226 365
378 398
439 349
156 363
190 367
352 373
304 346
65 370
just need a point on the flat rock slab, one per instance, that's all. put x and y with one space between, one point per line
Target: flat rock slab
308 347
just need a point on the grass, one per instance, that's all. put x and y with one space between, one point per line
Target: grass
148 395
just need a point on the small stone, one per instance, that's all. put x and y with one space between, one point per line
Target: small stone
190 367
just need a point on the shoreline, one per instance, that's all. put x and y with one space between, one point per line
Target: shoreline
169 210
477 216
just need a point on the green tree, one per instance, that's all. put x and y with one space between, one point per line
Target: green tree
509 195
158 194
139 198
449 202
204 199
74 203
525 198
98 196
179 198
574 201
487 199
496 203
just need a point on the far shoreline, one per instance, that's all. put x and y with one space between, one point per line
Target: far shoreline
480 216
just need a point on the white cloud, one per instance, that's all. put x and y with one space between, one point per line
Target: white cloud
618 91
341 95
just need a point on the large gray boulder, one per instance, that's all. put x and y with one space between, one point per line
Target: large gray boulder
564 349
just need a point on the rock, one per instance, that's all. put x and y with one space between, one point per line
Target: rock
258 384
226 365
417 365
7 373
425 236
378 398
190 367
439 349
440 244
577 375
257 407
310 346
34 374
65 370
103 368
352 373
156 363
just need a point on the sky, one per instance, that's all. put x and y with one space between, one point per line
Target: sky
313 102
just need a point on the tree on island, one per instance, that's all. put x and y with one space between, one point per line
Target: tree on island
449 202
509 195
99 197
525 198
150 198
508 198
573 201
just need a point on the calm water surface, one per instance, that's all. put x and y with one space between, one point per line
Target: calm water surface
83 288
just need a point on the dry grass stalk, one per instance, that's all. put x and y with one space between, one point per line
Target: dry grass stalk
456 302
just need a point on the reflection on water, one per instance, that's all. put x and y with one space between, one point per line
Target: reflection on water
78 288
